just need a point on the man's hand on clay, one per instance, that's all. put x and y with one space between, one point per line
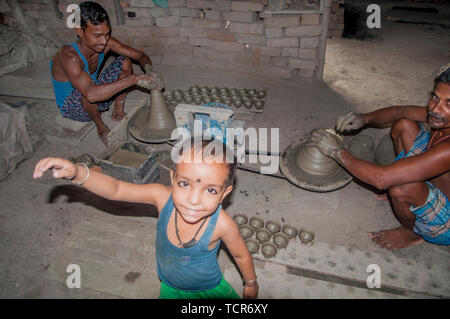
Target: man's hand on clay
152 81
327 142
348 122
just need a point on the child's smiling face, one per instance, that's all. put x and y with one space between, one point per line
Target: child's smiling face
199 188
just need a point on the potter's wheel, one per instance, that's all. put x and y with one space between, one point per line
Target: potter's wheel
326 182
139 129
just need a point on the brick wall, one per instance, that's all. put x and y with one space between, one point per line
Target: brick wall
336 23
221 34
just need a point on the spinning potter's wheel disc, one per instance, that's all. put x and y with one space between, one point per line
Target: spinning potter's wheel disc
139 129
317 183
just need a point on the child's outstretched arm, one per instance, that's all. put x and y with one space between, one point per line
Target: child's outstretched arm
232 238
99 183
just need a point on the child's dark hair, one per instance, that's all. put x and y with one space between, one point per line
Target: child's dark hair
208 149
443 75
93 13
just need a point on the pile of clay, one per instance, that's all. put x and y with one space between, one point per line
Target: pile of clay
250 99
268 236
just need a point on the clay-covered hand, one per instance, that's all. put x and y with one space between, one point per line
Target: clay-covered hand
151 81
148 68
349 121
327 141
60 167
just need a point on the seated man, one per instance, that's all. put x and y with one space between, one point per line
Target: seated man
419 180
80 92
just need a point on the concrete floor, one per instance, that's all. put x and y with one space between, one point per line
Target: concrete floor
47 224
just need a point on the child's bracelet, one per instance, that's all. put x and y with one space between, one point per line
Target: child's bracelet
252 282
87 175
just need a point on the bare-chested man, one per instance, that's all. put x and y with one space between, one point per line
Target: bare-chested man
81 93
419 180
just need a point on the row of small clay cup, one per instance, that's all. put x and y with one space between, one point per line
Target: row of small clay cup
248 101
280 236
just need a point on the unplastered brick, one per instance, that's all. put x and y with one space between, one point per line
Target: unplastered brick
309 54
201 4
292 52
200 23
228 46
274 32
250 39
282 42
176 3
201 42
261 50
184 12
310 19
224 5
158 12
240 16
218 35
282 22
193 32
141 3
246 6
251 28
304 31
167 21
309 42
302 64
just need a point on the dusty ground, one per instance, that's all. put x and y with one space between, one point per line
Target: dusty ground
47 225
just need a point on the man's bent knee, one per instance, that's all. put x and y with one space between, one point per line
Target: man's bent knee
413 193
127 66
404 125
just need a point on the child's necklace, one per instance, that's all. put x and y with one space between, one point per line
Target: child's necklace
192 242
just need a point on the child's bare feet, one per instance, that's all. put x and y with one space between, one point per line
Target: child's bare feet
397 238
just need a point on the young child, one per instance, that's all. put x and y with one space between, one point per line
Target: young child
191 222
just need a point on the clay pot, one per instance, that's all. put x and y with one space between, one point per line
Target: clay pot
306 237
178 93
227 102
263 235
188 99
214 90
252 92
237 103
248 104
280 240
259 104
273 227
246 231
240 219
234 91
261 94
206 99
290 231
198 100
204 90
269 250
169 97
179 98
217 100
242 91
252 245
312 161
256 222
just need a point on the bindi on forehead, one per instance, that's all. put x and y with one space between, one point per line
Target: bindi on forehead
198 180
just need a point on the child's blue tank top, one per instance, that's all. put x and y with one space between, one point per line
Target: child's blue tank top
190 269
64 89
